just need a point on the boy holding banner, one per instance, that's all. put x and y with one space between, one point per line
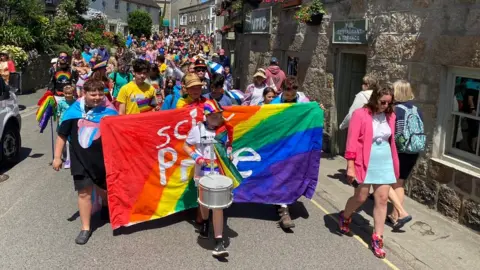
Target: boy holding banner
80 124
202 137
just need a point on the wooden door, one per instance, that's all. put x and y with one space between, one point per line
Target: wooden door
352 69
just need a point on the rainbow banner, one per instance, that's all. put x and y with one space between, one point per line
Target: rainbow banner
276 150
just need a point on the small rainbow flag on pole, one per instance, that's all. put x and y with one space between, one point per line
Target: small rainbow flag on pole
47 109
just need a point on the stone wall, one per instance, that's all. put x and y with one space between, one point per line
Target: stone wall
35 75
415 40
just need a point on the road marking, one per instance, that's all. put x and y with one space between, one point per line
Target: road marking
387 262
29 111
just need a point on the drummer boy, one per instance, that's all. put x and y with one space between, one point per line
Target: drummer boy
199 146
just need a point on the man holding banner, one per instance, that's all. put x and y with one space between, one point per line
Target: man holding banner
193 85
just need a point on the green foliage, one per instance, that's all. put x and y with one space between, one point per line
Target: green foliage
96 25
95 38
140 22
42 33
57 48
73 8
17 54
19 12
16 35
305 13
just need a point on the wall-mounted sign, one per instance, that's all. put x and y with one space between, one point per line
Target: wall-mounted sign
258 21
350 32
230 36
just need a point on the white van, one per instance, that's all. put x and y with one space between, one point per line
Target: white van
10 124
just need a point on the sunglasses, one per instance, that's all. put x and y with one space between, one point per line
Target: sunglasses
385 103
200 70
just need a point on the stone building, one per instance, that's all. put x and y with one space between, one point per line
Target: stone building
435 44
199 15
117 12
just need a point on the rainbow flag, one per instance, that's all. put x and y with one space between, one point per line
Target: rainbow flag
276 158
46 110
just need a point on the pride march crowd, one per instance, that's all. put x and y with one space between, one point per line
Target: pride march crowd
180 77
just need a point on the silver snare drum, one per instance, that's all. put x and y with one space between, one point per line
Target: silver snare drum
215 191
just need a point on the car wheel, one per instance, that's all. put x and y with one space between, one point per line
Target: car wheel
10 145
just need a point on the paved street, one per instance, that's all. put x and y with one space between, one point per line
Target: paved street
39 221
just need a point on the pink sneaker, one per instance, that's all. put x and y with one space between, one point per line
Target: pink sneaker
377 246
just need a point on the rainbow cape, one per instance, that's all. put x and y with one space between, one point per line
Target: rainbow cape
276 158
47 109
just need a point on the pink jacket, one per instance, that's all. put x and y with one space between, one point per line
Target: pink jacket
359 142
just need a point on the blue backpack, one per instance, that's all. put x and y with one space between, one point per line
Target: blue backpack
412 139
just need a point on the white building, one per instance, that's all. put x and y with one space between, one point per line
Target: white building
200 16
117 12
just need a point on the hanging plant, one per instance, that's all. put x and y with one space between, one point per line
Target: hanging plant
237 6
311 14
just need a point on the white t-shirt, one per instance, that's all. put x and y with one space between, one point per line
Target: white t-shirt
203 140
257 96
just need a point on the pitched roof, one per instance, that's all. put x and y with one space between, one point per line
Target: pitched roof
148 3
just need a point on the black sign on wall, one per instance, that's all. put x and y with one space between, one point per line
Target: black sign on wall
258 21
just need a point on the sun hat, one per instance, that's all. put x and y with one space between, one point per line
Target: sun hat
211 106
260 74
192 80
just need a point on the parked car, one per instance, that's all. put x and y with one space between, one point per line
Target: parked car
10 125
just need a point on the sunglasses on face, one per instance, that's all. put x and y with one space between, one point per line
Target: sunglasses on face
200 70
385 103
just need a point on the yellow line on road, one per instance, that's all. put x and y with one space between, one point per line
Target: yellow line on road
387 262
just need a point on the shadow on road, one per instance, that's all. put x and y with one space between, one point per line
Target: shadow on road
157 223
24 153
341 175
359 226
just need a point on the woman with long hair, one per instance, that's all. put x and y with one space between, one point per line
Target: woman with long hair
372 160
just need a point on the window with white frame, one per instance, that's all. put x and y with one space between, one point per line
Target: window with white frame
128 7
117 4
462 137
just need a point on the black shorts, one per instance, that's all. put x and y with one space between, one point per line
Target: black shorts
407 162
81 182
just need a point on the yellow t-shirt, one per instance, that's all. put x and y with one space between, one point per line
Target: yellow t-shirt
186 101
136 99
163 68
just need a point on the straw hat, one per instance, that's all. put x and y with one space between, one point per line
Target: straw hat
211 106
260 74
192 80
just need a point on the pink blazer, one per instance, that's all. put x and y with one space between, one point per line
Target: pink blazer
359 142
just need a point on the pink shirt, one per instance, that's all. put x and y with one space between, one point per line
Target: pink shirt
360 139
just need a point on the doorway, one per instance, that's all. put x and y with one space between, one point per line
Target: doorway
352 68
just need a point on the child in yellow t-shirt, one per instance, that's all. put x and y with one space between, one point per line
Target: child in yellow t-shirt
137 96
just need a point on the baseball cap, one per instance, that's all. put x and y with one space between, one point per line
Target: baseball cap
274 60
211 106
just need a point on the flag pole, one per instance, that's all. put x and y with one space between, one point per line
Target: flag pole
53 148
